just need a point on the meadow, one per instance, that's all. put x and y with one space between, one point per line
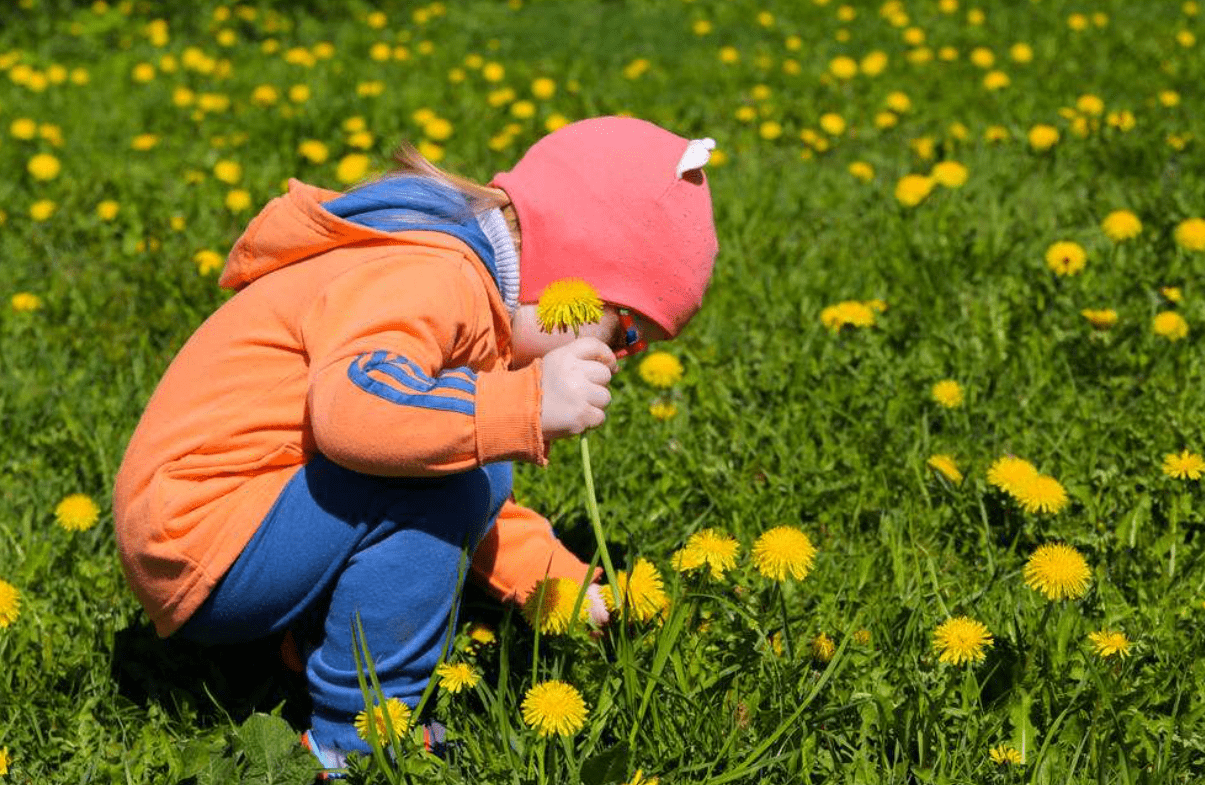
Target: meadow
916 498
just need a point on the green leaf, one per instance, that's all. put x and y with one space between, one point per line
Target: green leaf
1024 733
272 753
610 765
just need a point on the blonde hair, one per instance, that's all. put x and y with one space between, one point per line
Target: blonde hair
408 160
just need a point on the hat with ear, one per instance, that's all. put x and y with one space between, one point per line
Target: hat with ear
622 204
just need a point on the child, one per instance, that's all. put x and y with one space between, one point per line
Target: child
334 435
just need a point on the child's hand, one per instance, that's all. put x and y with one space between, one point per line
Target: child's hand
596 605
574 387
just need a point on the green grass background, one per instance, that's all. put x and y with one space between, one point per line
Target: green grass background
780 421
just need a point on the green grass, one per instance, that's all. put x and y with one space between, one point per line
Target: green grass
780 421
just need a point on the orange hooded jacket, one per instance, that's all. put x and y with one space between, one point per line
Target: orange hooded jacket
264 384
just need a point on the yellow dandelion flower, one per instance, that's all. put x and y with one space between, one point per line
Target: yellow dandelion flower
229 172
912 189
399 718
554 707
1004 755
948 393
24 302
482 634
1066 258
4 761
783 551
313 150
543 87
1109 643
945 466
1042 137
823 648
950 174
1100 319
849 312
639 779
843 67
144 142
1170 325
874 63
549 606
996 80
42 209
1121 225
107 210
1172 294
996 133
1021 53
832 123
982 57
862 637
44 166
642 592
1058 571
709 548
10 603
567 304
636 68
23 128
770 130
77 513
1041 494
1009 473
961 639
663 410
1190 234
352 168
208 261
1183 466
238 200
862 171
458 676
661 369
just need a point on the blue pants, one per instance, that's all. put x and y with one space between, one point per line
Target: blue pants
337 542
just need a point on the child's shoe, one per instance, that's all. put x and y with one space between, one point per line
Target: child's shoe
331 760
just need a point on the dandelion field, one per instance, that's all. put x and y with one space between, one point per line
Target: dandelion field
916 498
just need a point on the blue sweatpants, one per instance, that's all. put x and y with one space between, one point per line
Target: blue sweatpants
338 542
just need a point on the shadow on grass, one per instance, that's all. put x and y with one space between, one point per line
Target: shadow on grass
214 684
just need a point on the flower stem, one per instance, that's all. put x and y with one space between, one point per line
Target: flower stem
786 624
596 522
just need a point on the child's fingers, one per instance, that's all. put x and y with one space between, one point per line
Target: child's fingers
594 349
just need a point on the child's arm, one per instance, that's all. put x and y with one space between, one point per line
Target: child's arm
519 551
391 392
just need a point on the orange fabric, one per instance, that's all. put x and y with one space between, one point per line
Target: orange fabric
263 384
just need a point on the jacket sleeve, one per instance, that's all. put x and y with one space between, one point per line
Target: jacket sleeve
391 388
519 551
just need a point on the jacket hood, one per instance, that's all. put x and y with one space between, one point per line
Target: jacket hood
290 228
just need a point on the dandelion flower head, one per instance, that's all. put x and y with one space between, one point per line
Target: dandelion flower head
1042 493
24 302
1058 571
661 369
549 607
639 779
1042 137
641 590
1009 473
823 648
399 718
1190 234
950 174
912 189
1121 225
708 548
1110 642
948 393
1004 755
783 551
1170 325
945 466
554 707
1066 257
663 410
1184 465
961 639
1100 319
457 676
77 513
10 603
567 304
849 312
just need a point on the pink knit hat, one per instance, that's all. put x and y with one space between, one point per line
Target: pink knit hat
621 204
